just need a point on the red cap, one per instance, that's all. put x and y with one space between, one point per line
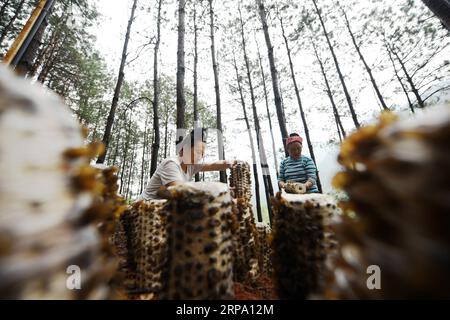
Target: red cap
294 139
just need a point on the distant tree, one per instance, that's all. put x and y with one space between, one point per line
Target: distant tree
181 100
338 68
299 100
259 141
417 48
273 71
252 144
156 140
223 176
119 83
266 100
363 60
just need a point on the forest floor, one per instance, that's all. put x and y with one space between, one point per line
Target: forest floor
262 289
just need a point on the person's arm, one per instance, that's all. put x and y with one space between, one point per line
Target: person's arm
311 173
281 177
218 165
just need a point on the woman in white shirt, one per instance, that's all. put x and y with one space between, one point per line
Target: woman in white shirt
184 166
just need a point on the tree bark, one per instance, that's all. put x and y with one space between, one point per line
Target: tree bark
338 69
300 105
223 177
259 141
112 111
363 60
181 101
252 145
274 74
156 142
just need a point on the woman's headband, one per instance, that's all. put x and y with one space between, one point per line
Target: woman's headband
294 139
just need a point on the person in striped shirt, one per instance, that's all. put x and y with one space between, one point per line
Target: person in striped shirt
297 167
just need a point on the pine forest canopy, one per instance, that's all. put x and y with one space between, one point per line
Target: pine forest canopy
258 70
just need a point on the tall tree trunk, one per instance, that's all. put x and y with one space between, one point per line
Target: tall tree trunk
223 176
25 64
147 167
300 105
181 101
8 27
144 149
408 78
274 74
124 162
116 151
156 142
337 118
196 122
411 107
266 99
96 123
166 129
363 60
252 145
112 111
259 141
338 69
441 8
130 171
195 66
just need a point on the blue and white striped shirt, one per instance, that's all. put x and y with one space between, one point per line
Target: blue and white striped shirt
300 170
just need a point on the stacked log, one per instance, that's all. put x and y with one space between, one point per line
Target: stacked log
199 229
264 251
52 202
142 245
396 175
302 244
246 265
